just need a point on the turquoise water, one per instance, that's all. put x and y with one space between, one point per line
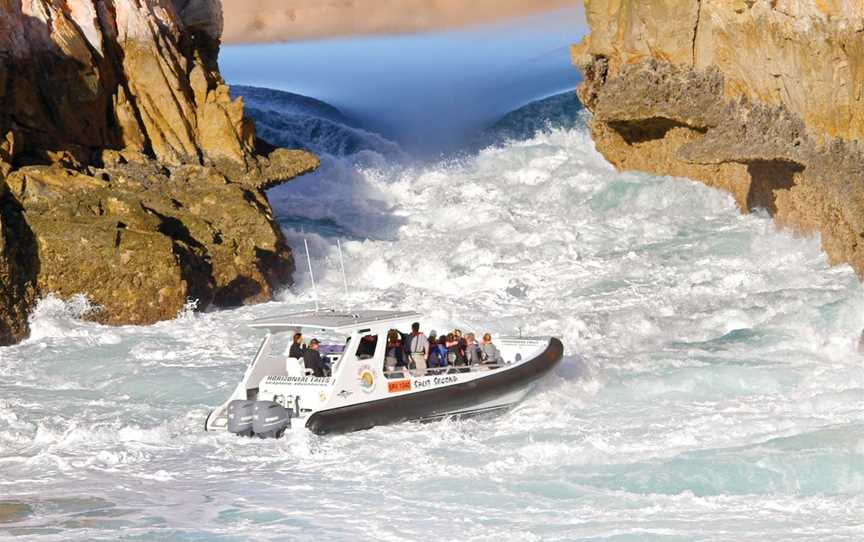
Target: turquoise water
710 391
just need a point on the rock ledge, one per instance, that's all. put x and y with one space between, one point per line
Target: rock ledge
127 172
761 98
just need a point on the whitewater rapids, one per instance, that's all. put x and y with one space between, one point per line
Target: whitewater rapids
711 387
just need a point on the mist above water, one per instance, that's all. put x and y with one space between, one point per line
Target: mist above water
428 92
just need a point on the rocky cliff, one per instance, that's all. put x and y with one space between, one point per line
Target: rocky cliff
762 98
127 172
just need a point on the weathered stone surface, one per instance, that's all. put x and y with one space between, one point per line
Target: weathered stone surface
127 172
125 74
761 98
803 54
19 265
140 242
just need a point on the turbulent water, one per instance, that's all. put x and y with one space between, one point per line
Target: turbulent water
711 389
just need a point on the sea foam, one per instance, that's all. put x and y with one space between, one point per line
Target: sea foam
710 387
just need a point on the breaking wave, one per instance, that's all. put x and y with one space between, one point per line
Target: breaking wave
711 387
294 121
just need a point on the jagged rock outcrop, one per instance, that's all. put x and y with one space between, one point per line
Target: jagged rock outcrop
127 172
760 97
19 266
85 75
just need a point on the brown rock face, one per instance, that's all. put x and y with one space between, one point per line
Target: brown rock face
82 76
127 172
761 98
19 265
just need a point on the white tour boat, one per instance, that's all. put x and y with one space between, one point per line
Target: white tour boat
277 392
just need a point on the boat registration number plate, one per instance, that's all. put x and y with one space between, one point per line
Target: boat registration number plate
399 385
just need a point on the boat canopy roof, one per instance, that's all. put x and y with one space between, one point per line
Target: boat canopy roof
334 320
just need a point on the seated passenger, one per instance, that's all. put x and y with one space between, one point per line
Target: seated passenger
489 353
455 351
367 346
312 359
472 350
393 357
297 346
460 337
438 353
457 334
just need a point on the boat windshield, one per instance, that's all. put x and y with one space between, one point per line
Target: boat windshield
279 349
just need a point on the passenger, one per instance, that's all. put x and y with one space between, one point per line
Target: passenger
461 338
418 350
489 353
438 353
455 352
393 357
472 350
433 343
367 346
404 337
297 347
312 359
402 358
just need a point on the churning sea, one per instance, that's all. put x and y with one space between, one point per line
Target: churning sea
710 390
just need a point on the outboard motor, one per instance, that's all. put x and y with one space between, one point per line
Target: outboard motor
240 417
270 419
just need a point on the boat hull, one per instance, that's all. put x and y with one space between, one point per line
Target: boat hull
497 391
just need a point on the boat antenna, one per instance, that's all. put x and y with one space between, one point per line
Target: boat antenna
342 265
311 274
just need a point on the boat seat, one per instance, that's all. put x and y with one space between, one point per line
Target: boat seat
296 367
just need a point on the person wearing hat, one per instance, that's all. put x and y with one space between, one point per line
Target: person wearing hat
312 359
